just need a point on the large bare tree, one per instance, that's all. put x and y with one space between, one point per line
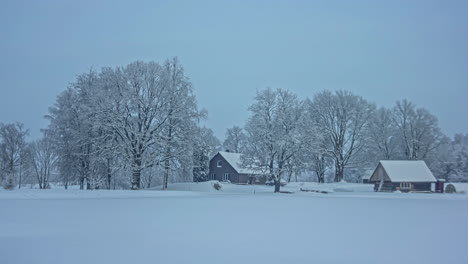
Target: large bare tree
273 133
343 117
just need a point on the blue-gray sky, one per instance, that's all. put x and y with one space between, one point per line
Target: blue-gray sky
382 50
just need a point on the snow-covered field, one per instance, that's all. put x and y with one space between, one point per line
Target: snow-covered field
193 223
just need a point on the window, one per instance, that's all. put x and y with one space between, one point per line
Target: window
212 176
218 163
405 185
226 177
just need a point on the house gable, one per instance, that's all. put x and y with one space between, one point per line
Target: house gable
379 172
224 163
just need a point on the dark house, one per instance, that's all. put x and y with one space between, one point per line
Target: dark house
403 175
226 166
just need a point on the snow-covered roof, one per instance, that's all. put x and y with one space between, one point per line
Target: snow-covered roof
407 171
234 159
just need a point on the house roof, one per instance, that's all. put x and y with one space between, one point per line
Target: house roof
407 171
234 159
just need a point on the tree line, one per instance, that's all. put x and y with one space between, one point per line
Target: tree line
341 133
140 120
139 126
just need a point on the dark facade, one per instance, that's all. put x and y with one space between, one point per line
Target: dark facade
221 170
404 186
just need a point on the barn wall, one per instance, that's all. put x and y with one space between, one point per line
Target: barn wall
422 186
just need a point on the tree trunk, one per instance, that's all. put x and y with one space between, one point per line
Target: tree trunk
339 170
277 185
136 179
109 175
166 174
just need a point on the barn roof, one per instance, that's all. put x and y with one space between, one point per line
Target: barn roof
234 159
407 171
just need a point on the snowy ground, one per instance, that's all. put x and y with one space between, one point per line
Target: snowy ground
240 224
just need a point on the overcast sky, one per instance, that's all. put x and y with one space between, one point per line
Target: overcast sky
381 50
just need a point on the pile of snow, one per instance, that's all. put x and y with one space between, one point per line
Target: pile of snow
294 187
209 187
461 187
330 187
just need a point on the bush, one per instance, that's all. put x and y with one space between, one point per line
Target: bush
9 184
217 186
450 188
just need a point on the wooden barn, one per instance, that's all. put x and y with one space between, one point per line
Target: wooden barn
403 175
226 166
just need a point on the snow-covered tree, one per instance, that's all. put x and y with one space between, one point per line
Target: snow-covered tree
235 139
459 158
182 112
126 118
418 129
343 117
205 146
383 138
43 160
315 155
273 132
64 125
12 152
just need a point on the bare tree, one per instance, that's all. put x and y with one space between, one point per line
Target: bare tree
205 146
235 139
382 135
418 129
182 113
12 147
343 116
43 160
273 136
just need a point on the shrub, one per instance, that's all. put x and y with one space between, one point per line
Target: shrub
9 184
450 188
217 186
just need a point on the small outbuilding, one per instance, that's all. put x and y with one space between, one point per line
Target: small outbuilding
403 175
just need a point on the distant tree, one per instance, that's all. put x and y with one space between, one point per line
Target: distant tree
182 113
344 117
383 136
418 129
273 133
43 159
12 152
315 156
64 133
205 146
235 139
460 147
